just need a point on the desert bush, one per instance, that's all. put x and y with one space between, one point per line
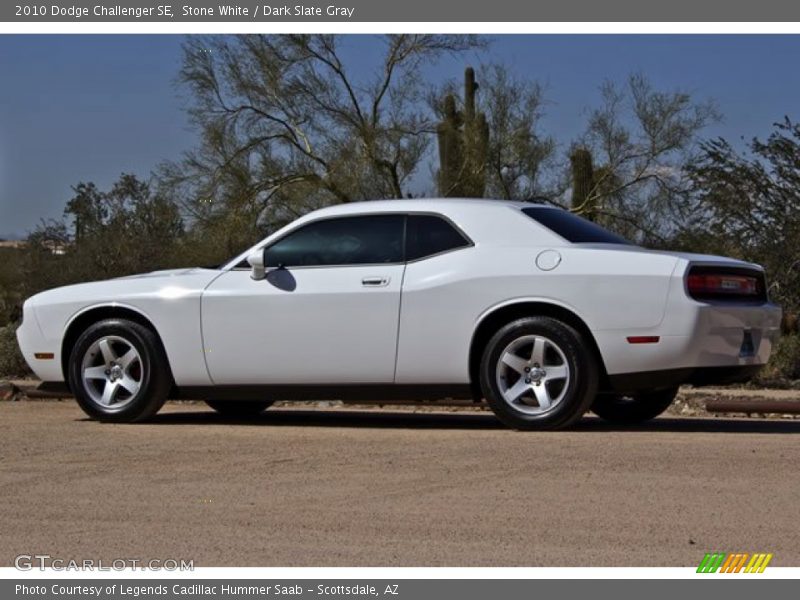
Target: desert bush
11 362
785 361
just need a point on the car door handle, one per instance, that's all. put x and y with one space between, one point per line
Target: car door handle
375 281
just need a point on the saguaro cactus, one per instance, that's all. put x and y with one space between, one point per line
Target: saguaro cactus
463 145
450 149
583 183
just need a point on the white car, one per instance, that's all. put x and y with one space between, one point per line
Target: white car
543 314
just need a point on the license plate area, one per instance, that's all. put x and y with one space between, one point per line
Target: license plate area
748 347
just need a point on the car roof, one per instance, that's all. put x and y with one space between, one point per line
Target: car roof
422 204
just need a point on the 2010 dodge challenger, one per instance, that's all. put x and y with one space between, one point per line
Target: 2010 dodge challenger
541 313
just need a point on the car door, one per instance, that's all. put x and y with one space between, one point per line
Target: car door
439 297
327 312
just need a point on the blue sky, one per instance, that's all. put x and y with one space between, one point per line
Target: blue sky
87 108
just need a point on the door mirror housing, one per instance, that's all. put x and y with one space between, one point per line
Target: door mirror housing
258 264
258 261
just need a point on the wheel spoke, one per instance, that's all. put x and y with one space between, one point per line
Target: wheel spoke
95 372
109 391
107 352
130 384
515 391
537 355
555 373
128 358
515 362
542 395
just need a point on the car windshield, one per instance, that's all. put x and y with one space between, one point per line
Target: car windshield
573 228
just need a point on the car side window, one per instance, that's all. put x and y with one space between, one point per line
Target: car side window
357 240
427 235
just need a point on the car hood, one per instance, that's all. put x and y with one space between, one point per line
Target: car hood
166 284
166 273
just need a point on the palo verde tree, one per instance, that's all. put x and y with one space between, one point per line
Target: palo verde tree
520 160
286 126
640 140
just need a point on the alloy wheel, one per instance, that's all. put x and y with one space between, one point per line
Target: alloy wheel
112 372
533 374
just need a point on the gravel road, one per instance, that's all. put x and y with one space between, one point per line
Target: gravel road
344 487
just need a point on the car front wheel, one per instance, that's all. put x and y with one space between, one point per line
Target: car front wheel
119 371
538 373
630 410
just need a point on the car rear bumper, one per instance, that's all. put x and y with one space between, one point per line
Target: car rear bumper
702 344
628 383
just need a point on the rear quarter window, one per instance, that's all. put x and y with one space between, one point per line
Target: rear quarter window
573 228
429 235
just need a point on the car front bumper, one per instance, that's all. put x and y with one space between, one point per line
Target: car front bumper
42 355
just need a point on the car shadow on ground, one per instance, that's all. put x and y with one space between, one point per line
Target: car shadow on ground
366 419
388 419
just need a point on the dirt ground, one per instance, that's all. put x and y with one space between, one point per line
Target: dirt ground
344 487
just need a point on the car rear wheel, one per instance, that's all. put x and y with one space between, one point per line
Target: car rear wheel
119 371
630 410
239 408
538 373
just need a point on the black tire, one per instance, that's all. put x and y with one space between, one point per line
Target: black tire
239 408
630 410
155 378
574 397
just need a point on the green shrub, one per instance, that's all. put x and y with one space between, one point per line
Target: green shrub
785 360
11 362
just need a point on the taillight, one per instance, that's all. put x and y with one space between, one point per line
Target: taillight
725 283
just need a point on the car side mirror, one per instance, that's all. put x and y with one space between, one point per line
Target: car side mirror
257 262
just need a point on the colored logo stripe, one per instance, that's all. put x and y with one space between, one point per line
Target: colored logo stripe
758 563
711 562
734 563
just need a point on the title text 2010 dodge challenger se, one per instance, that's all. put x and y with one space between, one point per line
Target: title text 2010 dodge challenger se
543 314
